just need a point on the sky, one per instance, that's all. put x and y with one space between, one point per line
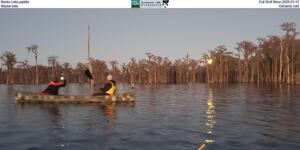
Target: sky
119 34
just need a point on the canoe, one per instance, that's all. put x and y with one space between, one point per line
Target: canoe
37 97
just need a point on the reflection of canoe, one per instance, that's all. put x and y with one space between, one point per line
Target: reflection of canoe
36 97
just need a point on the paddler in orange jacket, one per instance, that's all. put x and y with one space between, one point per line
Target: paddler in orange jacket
54 86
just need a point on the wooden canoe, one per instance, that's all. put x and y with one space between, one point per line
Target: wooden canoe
36 97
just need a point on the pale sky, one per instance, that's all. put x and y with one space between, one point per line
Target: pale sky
119 34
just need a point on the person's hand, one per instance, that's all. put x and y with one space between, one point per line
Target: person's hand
97 84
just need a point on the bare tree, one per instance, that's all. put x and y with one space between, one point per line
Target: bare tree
247 48
34 49
24 65
149 69
290 33
80 67
67 71
52 61
114 69
9 60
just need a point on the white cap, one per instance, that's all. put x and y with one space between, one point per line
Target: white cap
109 77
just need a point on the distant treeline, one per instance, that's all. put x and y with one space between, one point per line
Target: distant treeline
274 59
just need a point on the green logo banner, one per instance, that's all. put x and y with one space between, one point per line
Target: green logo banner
149 3
135 3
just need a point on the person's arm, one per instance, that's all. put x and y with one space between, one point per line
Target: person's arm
106 87
64 83
59 84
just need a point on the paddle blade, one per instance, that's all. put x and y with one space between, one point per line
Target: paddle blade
88 74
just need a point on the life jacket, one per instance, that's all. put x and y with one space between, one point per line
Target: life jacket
53 88
112 90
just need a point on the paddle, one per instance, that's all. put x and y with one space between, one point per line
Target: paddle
88 74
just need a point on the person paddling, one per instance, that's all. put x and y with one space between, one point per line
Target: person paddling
54 85
109 88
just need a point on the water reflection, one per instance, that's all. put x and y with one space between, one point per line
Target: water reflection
210 120
163 117
52 110
53 114
109 110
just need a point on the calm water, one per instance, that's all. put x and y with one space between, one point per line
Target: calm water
164 117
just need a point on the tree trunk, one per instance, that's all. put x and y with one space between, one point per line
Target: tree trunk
194 76
246 70
140 77
227 74
36 71
257 70
155 77
131 78
207 74
275 71
280 59
292 67
25 75
149 75
52 69
186 77
180 76
240 69
287 66
12 76
252 71
7 76
221 73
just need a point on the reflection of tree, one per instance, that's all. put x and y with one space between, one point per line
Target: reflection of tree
210 120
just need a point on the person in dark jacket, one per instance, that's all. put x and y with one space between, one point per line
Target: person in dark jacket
109 88
53 86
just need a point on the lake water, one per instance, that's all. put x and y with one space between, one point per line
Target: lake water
164 117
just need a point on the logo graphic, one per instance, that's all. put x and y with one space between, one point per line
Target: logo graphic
165 3
135 3
149 3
